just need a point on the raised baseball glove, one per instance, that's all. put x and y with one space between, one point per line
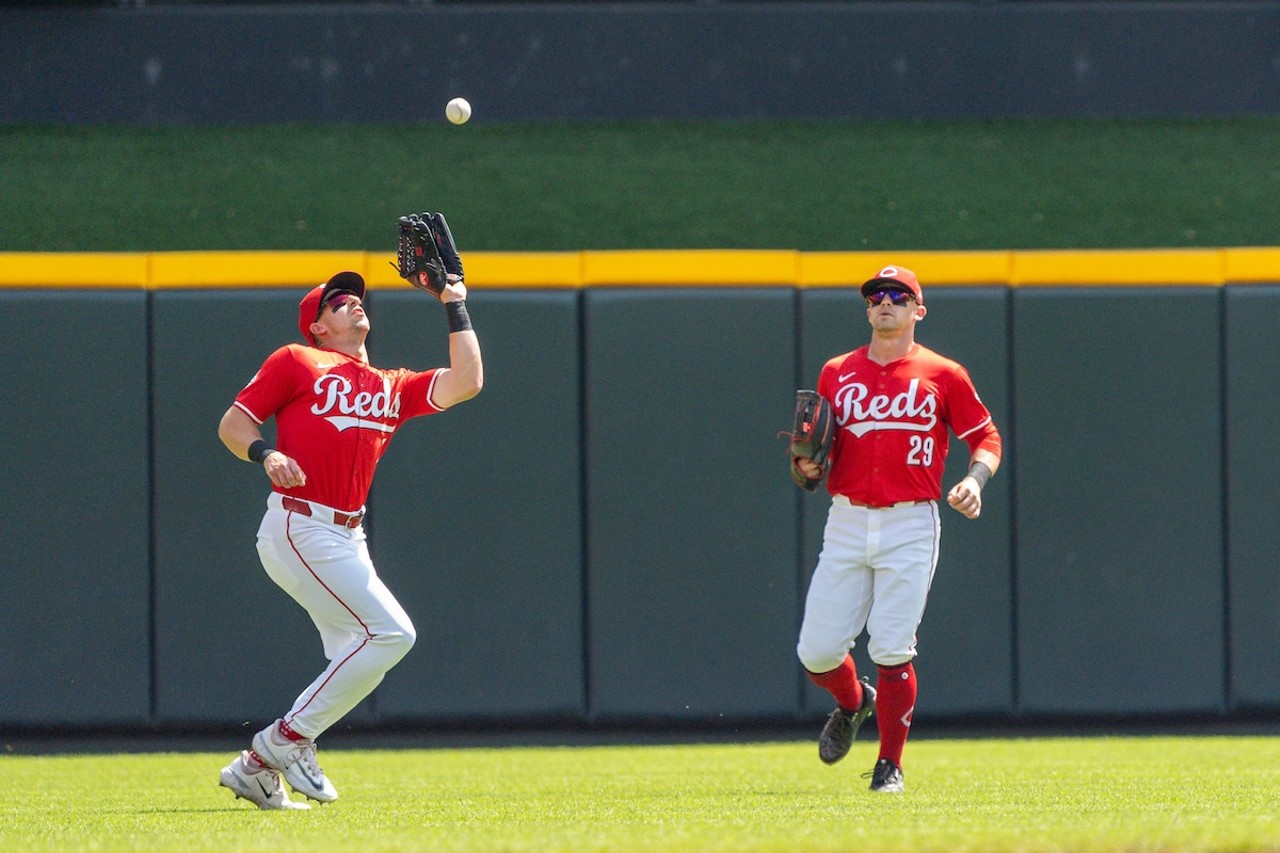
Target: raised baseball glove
812 434
426 246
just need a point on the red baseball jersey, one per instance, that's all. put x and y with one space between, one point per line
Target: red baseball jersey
335 416
892 424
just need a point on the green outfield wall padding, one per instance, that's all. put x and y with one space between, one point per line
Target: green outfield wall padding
1253 470
75 573
1119 545
691 532
476 514
610 524
965 661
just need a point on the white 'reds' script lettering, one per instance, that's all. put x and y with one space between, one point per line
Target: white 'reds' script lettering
860 413
335 394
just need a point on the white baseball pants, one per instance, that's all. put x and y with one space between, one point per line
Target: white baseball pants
325 567
874 572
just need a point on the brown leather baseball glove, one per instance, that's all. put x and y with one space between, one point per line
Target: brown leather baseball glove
812 434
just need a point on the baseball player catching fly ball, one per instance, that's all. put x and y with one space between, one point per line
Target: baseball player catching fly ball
884 410
335 414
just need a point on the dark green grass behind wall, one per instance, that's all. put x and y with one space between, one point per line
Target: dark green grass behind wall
531 187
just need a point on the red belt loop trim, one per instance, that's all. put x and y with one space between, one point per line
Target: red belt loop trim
860 504
348 521
341 519
295 505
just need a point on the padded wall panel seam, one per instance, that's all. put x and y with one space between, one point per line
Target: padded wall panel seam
691 542
231 646
74 586
1253 469
477 515
1119 546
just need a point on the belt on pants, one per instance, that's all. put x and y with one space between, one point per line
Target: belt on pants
341 519
843 501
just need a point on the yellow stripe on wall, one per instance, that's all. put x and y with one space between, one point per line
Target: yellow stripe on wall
520 269
74 269
834 269
1252 265
650 268
1133 267
691 267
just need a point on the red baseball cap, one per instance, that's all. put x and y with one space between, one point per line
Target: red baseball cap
894 275
313 303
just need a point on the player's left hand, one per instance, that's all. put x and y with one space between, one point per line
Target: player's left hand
966 498
455 290
426 256
283 471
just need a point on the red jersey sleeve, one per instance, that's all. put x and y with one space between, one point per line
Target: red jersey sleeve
415 390
272 387
968 416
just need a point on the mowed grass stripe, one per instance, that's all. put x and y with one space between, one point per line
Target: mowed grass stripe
1064 794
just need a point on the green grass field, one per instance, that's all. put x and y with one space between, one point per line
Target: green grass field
1164 794
813 186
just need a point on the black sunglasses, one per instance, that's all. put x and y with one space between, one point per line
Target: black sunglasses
334 302
896 297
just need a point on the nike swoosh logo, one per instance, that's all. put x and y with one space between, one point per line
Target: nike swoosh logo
847 375
306 774
325 366
265 792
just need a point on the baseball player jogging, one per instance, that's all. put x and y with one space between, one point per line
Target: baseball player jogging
335 415
879 423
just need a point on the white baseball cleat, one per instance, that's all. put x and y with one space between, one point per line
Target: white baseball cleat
260 786
296 759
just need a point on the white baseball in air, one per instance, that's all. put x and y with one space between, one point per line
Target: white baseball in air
457 110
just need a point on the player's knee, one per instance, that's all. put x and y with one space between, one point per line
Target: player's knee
399 641
819 660
408 636
890 654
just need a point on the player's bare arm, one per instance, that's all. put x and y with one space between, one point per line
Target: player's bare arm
464 377
238 432
966 496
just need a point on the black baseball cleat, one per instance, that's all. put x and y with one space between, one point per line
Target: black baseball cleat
886 778
837 734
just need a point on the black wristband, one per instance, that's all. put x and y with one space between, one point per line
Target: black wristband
459 321
980 473
259 451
